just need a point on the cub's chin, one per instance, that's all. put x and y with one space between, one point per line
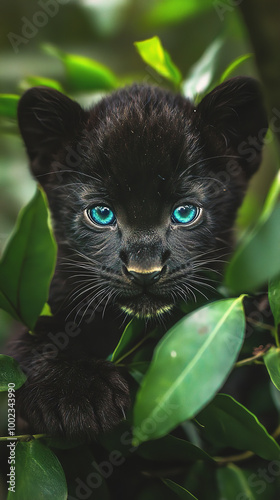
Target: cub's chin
145 306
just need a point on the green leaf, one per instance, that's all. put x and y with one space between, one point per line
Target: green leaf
38 473
170 448
153 53
272 198
274 298
249 212
272 363
34 81
174 11
252 252
8 105
83 73
172 390
233 65
203 74
275 395
139 366
228 423
46 311
10 372
60 443
233 484
28 264
201 479
256 260
138 369
7 306
179 490
133 331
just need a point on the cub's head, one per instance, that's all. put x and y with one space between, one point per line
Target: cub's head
144 187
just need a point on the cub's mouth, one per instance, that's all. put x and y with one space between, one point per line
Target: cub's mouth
145 305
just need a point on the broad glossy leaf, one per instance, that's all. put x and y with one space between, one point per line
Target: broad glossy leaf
170 448
83 73
203 74
8 105
133 332
233 66
153 53
10 372
274 298
179 490
28 263
233 484
228 423
38 473
257 258
172 389
174 11
272 363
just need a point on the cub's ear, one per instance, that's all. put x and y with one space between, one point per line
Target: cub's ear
235 110
47 118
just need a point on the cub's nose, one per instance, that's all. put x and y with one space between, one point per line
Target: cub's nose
144 279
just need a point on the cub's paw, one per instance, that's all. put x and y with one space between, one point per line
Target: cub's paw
77 400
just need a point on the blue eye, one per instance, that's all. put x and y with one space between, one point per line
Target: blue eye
185 214
103 216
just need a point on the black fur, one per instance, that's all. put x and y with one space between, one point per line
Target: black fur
142 151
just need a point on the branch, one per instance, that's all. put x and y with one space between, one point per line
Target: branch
24 437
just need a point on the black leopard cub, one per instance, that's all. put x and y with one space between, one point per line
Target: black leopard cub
143 190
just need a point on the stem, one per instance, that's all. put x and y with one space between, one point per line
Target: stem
133 348
23 437
242 456
276 433
264 326
276 335
253 359
234 458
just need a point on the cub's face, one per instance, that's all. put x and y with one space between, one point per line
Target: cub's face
143 188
